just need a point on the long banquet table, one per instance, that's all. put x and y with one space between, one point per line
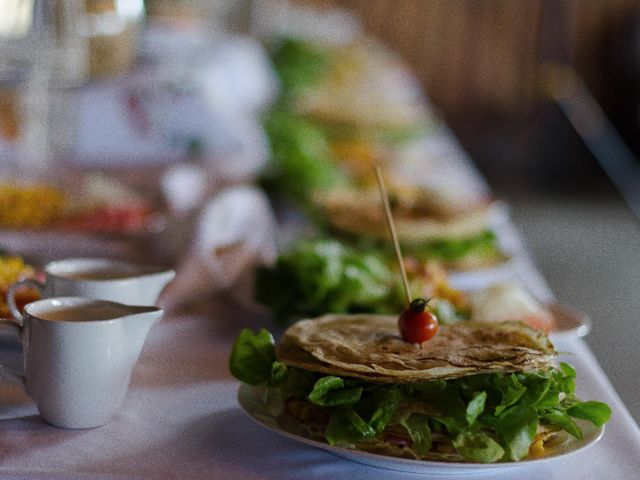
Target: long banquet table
181 419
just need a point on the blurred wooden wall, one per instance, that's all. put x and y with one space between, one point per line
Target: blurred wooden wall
481 57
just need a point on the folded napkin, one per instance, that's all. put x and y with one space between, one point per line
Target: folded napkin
235 233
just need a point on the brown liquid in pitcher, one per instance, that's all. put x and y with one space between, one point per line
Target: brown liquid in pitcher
82 313
107 273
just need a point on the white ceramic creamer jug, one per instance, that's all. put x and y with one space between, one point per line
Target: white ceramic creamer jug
79 354
100 278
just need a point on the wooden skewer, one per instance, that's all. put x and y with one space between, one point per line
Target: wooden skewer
394 234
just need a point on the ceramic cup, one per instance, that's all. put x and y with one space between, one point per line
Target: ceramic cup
78 356
99 278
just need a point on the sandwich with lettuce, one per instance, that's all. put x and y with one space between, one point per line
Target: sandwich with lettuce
356 90
476 392
432 224
327 134
325 131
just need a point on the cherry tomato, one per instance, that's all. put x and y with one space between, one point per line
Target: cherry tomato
416 324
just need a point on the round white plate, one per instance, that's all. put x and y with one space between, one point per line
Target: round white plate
250 401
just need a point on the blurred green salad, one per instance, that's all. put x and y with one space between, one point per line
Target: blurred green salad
300 157
326 276
450 250
298 64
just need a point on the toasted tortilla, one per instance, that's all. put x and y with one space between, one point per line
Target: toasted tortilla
369 347
359 212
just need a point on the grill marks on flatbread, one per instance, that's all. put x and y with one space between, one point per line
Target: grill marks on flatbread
369 347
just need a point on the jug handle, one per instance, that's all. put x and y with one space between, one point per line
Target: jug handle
11 296
14 328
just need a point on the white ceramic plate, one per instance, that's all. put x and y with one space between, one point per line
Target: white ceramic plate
250 401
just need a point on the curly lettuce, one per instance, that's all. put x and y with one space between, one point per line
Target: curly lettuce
323 276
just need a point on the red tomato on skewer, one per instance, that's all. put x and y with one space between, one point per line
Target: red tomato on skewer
417 324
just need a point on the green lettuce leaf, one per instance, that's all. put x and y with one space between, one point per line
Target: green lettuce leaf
252 357
279 373
597 413
347 427
516 429
537 385
550 399
331 392
454 424
562 420
449 250
476 407
567 370
298 64
478 447
417 426
386 401
510 389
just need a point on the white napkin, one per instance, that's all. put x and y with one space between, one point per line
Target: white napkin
236 147
236 232
236 75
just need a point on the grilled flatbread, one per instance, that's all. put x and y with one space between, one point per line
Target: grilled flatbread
369 347
359 212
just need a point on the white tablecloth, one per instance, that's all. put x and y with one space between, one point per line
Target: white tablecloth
180 419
